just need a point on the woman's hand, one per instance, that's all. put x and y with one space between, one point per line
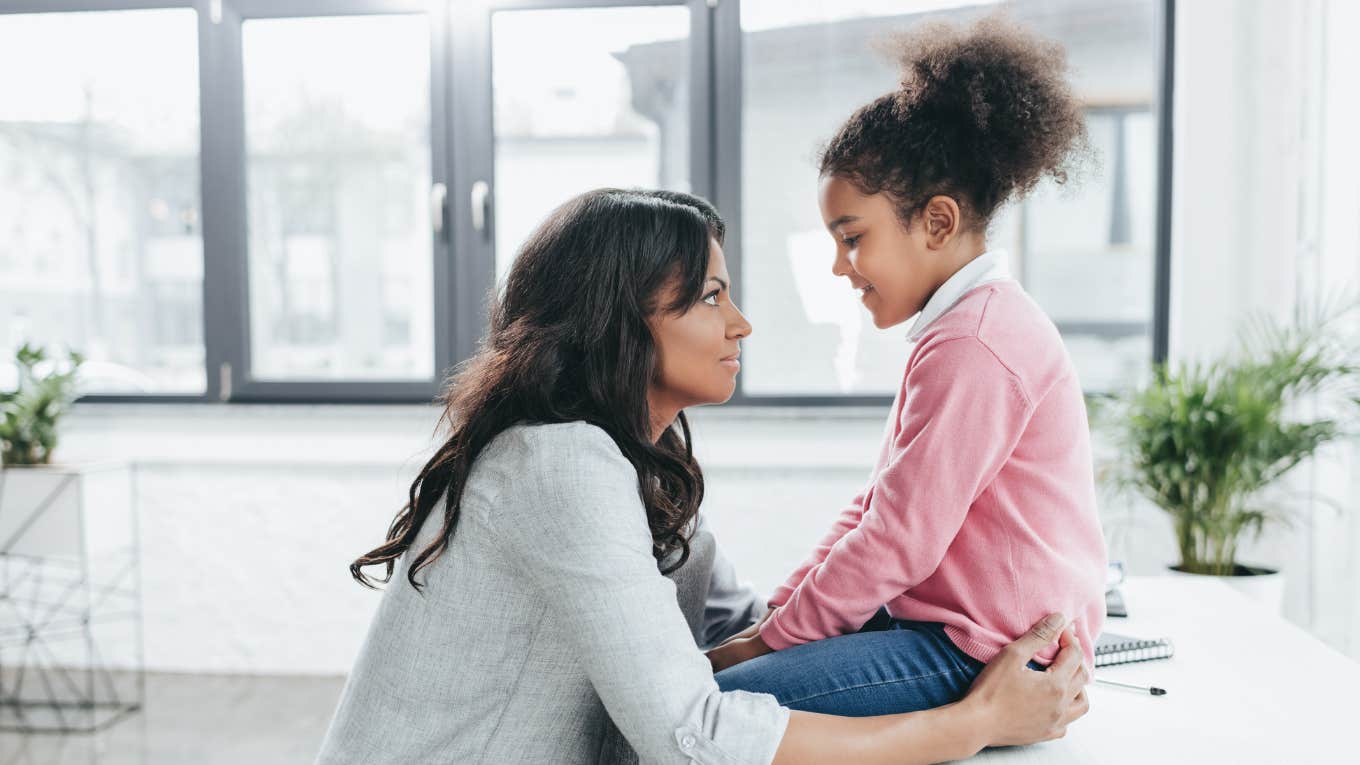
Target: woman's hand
737 650
751 631
1021 706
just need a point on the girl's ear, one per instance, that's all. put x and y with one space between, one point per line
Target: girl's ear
941 219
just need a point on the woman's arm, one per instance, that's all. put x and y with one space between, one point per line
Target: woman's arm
731 605
569 520
1009 704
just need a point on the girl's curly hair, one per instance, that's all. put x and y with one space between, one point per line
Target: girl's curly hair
982 115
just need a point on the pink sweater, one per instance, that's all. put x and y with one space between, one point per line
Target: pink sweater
981 510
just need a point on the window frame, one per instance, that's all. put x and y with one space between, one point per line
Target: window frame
462 135
727 168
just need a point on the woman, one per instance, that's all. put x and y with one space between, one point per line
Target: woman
547 618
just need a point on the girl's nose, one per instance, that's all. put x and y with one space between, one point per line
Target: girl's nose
841 265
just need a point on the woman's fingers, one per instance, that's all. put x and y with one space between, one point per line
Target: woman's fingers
1039 637
1079 706
1069 660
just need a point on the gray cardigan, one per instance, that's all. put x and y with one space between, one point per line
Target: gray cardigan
545 618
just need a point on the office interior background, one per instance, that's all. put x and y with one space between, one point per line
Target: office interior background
271 227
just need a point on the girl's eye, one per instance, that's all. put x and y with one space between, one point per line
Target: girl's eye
850 241
711 298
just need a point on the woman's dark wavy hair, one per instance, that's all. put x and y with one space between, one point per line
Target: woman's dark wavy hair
982 115
569 341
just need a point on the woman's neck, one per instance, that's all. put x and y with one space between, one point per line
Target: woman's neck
663 415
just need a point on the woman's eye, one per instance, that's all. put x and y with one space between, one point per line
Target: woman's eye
850 241
711 298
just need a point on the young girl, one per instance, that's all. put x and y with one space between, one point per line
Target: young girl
980 514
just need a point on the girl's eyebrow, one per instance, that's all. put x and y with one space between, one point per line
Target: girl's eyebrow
841 221
719 281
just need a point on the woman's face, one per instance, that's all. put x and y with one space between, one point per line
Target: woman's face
697 350
895 270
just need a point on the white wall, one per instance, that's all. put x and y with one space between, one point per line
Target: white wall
250 515
1266 208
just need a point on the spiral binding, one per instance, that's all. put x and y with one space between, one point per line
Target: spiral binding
1130 651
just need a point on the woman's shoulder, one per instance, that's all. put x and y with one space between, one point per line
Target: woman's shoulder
568 477
558 442
529 455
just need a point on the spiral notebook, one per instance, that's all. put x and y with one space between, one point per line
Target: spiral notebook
1114 649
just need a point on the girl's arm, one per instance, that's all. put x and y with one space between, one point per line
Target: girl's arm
848 519
962 414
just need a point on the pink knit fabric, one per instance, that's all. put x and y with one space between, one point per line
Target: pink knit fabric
981 510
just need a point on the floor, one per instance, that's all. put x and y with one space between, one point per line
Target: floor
198 720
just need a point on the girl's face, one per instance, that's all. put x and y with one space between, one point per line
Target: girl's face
697 350
895 270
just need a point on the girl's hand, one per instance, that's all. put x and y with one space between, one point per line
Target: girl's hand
1020 706
737 650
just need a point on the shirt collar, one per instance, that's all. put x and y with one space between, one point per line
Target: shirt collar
990 266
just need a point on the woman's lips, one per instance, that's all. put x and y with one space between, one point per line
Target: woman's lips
731 362
866 291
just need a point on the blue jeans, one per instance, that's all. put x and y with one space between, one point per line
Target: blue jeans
889 666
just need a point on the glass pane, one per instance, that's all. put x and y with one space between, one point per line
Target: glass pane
338 181
100 244
585 98
1085 252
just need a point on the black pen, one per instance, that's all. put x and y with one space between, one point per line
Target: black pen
1154 690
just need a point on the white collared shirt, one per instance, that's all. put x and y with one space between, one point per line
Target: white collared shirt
990 266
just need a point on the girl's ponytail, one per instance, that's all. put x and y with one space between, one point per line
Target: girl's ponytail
983 114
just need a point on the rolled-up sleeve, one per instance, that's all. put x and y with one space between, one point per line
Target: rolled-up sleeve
576 528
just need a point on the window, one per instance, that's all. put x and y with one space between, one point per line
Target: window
338 173
318 210
100 241
574 110
1085 252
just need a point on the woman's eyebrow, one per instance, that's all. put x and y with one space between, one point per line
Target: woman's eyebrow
841 221
719 281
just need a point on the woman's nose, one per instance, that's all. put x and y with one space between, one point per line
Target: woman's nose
738 327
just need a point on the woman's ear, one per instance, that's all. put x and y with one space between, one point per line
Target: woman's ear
941 219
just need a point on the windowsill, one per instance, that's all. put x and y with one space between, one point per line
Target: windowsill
401 436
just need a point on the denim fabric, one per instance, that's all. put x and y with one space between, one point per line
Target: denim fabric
889 666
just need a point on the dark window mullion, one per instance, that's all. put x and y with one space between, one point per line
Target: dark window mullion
225 302
472 258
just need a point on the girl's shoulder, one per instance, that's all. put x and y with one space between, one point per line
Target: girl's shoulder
985 309
1008 322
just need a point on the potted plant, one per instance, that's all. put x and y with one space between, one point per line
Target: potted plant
1209 443
29 413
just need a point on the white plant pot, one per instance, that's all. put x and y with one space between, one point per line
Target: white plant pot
1263 586
70 581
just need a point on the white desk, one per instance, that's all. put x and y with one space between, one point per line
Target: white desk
1245 686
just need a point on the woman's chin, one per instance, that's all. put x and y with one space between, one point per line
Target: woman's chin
723 395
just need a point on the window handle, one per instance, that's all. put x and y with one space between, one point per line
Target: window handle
478 198
439 193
